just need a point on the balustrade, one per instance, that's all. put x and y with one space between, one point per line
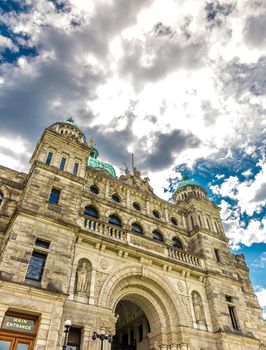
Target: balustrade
123 235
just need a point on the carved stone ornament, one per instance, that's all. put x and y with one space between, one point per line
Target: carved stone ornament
82 278
181 286
104 264
146 245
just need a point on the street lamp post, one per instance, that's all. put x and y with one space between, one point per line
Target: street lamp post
68 324
102 337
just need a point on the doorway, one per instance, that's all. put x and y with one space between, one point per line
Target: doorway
132 327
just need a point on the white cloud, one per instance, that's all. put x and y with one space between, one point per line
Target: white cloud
261 294
260 261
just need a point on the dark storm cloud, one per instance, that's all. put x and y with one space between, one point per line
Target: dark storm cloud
239 78
112 145
163 52
164 148
60 85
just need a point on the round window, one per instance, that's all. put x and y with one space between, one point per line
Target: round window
174 221
156 214
116 198
94 189
136 206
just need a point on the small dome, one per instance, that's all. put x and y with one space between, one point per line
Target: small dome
188 182
69 129
187 188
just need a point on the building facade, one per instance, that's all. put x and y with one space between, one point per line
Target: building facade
79 243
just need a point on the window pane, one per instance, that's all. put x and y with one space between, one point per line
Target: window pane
136 206
75 170
136 228
42 244
156 214
115 198
5 344
49 158
94 189
21 346
62 164
157 236
1 198
114 220
177 243
54 196
36 265
90 211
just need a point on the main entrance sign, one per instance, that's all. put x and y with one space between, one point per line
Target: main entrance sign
15 323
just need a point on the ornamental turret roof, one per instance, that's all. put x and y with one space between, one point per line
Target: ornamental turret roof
93 162
186 181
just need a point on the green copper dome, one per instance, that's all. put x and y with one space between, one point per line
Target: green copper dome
70 121
93 162
187 182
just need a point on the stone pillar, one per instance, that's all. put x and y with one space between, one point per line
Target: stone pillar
3 310
166 214
107 189
183 346
86 339
148 207
128 198
92 287
174 347
163 347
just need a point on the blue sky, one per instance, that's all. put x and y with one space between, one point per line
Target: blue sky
181 84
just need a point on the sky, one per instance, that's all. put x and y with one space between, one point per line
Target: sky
179 83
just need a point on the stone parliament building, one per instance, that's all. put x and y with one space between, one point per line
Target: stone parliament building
79 243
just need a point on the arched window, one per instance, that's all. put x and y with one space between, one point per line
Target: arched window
156 214
157 236
136 206
136 228
1 198
177 243
114 220
116 198
94 189
91 211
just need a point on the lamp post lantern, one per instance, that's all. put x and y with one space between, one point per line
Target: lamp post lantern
68 324
102 337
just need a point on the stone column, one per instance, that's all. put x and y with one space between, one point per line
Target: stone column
92 287
183 346
2 313
174 347
148 207
163 347
107 189
128 198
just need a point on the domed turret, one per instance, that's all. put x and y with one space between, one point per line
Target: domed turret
93 162
69 129
188 187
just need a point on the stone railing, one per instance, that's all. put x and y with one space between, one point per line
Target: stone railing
105 229
183 256
142 242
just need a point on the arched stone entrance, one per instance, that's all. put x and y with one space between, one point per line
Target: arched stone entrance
132 327
154 298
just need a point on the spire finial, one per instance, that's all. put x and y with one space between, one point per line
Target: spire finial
91 141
